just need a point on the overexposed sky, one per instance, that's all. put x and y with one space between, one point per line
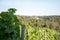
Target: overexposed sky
32 7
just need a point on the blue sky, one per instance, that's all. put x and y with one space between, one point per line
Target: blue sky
32 7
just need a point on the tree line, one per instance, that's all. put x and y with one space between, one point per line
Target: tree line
51 22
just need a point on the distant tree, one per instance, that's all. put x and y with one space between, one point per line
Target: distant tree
9 25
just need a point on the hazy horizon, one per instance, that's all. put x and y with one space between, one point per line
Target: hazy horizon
32 7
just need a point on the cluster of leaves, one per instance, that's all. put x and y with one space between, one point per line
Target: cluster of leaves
38 33
9 26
